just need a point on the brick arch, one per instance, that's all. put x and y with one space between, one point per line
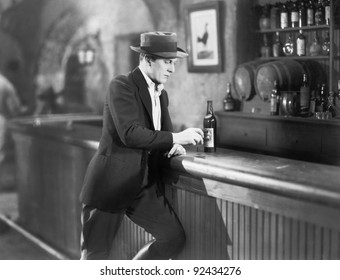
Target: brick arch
67 31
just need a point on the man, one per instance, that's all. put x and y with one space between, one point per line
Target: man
123 177
10 107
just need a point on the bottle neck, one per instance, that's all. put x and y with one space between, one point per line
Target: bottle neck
210 110
228 89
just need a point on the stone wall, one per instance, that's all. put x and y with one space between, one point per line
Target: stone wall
49 32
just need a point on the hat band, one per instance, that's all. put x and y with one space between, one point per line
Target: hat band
161 47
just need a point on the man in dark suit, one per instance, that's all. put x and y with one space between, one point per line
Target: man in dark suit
123 177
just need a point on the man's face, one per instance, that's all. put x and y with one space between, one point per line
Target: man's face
161 69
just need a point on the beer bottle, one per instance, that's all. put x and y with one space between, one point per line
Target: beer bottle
310 13
209 128
304 96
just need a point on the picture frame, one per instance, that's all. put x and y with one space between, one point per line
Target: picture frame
203 37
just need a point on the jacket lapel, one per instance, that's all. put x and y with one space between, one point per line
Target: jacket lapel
143 91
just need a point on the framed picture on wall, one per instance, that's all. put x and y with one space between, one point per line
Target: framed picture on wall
203 36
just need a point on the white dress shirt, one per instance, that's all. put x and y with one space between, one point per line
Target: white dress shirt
155 92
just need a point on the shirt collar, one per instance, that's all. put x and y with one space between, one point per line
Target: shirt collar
151 84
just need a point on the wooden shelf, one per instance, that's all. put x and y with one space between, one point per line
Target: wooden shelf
319 57
295 29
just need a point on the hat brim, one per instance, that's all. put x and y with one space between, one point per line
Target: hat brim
179 54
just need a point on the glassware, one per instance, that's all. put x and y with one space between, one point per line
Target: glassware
326 45
288 48
277 46
315 47
229 102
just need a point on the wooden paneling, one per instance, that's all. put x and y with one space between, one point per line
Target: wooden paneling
241 134
218 229
50 176
300 138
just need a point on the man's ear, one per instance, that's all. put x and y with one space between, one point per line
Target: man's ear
148 60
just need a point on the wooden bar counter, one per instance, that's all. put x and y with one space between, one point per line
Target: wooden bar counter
233 204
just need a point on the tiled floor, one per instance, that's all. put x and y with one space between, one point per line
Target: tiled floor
14 245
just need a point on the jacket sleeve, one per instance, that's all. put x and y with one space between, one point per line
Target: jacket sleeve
125 108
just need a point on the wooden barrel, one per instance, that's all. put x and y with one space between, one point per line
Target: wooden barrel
288 73
244 79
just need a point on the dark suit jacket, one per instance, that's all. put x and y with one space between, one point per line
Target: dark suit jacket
116 172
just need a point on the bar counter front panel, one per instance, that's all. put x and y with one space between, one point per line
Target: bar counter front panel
233 204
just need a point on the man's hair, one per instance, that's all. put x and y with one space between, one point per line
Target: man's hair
148 56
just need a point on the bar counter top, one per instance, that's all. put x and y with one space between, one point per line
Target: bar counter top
303 180
292 178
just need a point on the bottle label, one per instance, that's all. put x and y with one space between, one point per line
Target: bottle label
327 14
294 17
301 47
318 17
284 20
304 97
273 105
208 137
310 17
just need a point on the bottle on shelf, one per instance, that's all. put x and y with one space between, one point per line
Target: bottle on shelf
275 16
284 16
265 48
275 100
209 128
326 44
327 5
318 107
310 13
330 104
315 46
277 46
301 44
304 96
319 16
228 101
312 103
302 14
288 48
294 15
265 18
323 99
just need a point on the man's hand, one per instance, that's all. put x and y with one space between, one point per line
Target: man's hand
177 150
190 136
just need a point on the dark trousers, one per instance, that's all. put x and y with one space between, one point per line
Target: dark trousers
150 211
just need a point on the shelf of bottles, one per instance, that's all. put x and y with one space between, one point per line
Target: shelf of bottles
304 30
297 29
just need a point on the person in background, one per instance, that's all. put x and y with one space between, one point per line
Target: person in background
49 101
123 178
10 107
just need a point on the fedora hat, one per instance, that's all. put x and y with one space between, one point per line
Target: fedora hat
162 44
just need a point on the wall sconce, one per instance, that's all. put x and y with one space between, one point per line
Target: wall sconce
86 55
